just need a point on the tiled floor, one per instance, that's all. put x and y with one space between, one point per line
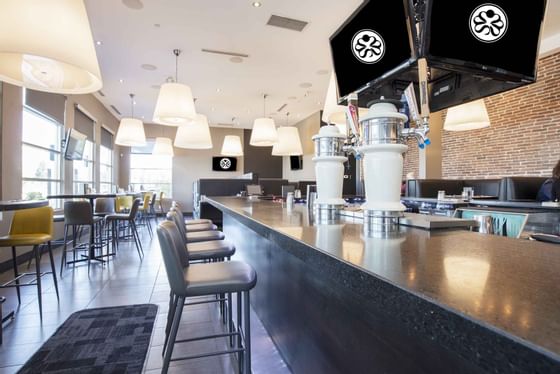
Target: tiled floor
124 280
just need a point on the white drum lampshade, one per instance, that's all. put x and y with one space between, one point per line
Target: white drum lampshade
264 133
232 146
48 46
289 142
469 116
163 147
332 112
130 133
175 105
194 135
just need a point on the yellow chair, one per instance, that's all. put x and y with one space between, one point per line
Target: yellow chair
144 210
123 204
31 227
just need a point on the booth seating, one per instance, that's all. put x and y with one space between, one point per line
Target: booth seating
505 189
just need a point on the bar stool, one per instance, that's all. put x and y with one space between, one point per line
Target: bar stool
192 221
129 218
214 250
144 210
123 204
77 215
31 227
203 226
205 280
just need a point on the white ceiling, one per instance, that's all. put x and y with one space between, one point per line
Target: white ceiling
279 60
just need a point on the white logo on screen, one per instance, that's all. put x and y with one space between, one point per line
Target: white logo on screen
488 23
225 163
368 46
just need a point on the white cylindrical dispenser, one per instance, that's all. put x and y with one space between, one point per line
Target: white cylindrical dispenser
381 145
329 172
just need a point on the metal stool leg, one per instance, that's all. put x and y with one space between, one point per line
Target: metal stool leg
241 354
38 273
53 269
247 333
16 273
173 334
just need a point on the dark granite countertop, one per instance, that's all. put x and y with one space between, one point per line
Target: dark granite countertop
509 286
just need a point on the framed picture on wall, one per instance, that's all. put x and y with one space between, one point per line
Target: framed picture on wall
224 163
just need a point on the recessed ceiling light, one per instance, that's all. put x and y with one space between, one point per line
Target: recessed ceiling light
322 72
305 85
218 90
157 25
236 60
133 4
134 102
99 42
257 4
149 67
121 80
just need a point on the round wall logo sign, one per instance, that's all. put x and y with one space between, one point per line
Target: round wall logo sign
225 163
488 23
368 46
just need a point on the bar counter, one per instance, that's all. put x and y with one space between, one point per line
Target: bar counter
334 300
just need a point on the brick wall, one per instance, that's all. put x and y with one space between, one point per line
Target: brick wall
523 138
411 159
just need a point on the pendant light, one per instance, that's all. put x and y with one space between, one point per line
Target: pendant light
163 146
264 131
232 146
47 46
289 142
194 135
334 114
469 116
175 104
131 130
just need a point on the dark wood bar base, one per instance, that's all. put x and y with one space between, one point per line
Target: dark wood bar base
327 316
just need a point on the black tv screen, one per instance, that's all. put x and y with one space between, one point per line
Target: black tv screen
501 36
296 162
224 163
74 145
373 41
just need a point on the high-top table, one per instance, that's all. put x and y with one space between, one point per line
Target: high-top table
416 301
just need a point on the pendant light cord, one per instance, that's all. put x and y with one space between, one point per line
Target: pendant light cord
264 105
132 105
176 52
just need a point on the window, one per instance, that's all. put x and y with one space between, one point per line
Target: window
83 170
41 155
149 172
106 162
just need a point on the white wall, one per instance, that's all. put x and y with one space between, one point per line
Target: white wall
191 165
307 173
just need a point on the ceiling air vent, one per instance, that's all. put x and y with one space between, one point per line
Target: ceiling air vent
281 108
101 93
115 109
286 23
227 53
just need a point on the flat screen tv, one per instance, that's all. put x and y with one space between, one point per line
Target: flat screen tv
372 42
296 162
74 145
224 163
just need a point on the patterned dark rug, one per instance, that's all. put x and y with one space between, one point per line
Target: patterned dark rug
102 340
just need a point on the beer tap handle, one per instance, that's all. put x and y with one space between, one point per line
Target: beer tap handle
352 117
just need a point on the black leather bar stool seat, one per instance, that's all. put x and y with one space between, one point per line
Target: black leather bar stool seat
197 221
204 236
215 249
201 227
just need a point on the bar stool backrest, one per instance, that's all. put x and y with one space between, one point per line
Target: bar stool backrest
177 209
78 213
32 221
104 205
153 201
166 232
146 202
123 203
134 209
175 218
